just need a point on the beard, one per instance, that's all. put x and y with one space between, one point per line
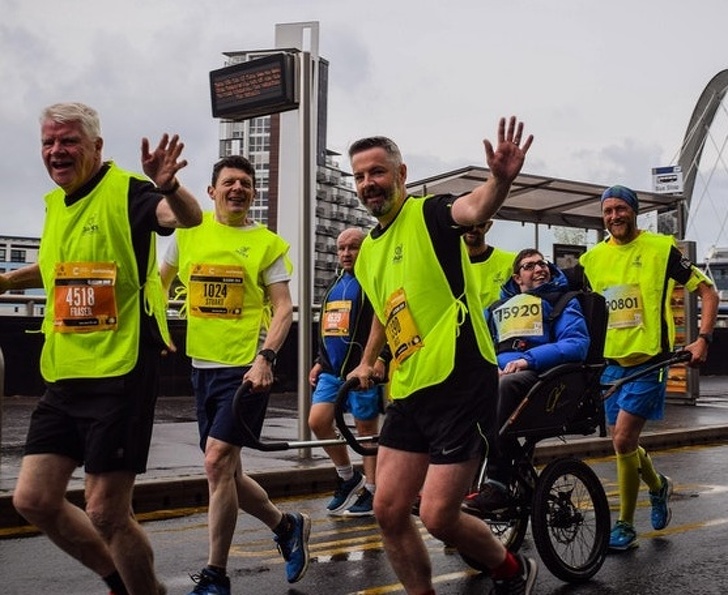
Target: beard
473 241
382 203
624 232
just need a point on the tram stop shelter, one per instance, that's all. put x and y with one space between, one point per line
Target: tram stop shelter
543 200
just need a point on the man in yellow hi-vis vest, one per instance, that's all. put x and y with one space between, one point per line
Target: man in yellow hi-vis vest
236 274
492 265
100 358
636 271
415 270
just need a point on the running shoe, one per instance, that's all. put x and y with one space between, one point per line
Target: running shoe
364 505
345 493
660 500
294 548
493 495
623 537
523 582
210 582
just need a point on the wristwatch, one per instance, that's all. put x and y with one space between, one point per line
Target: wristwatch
707 337
269 355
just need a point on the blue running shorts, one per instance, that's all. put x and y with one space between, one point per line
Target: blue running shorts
644 397
362 404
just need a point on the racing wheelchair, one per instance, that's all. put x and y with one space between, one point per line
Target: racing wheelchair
565 502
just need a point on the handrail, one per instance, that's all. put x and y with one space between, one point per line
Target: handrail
33 300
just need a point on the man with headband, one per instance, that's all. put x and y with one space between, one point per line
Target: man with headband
636 271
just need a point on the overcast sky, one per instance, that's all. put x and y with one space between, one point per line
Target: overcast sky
607 88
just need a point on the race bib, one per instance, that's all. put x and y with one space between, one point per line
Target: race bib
335 319
83 297
216 291
624 305
402 334
520 316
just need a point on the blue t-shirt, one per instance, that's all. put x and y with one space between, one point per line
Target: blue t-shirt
344 296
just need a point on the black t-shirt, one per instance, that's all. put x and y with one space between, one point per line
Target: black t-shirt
483 256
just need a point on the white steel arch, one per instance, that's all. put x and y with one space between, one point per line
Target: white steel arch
696 135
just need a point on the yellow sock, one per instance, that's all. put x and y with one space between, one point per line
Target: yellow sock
647 470
628 478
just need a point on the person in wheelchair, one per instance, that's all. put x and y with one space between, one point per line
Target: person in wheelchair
530 337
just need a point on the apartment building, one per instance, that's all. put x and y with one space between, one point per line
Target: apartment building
16 252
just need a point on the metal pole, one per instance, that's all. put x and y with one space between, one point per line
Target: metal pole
304 276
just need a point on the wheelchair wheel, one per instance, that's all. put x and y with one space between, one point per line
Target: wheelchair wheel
509 525
570 520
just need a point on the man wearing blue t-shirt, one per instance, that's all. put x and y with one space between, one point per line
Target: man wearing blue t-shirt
346 318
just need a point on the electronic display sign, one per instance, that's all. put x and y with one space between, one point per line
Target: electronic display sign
250 89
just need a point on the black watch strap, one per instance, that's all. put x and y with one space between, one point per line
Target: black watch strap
268 355
708 337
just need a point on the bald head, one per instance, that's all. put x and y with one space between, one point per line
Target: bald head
347 247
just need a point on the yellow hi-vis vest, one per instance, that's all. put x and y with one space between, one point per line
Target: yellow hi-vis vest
226 303
86 258
492 274
633 279
403 279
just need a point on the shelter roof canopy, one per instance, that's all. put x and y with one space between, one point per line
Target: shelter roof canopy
540 199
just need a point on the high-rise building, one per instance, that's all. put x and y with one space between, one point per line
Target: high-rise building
337 206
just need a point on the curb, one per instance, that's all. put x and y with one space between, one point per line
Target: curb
652 441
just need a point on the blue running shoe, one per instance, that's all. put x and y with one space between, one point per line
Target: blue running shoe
661 511
623 537
364 505
294 548
345 493
210 582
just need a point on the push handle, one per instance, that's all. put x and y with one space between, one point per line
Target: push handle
249 437
351 440
676 357
346 437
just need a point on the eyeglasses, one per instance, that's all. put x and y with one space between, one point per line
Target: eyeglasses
529 266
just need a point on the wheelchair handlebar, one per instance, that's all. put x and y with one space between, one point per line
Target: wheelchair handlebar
351 440
676 357
253 441
249 438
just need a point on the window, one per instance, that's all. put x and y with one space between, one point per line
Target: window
17 255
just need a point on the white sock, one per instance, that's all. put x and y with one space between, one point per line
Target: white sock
346 472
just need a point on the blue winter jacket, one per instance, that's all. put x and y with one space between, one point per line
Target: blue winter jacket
565 339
